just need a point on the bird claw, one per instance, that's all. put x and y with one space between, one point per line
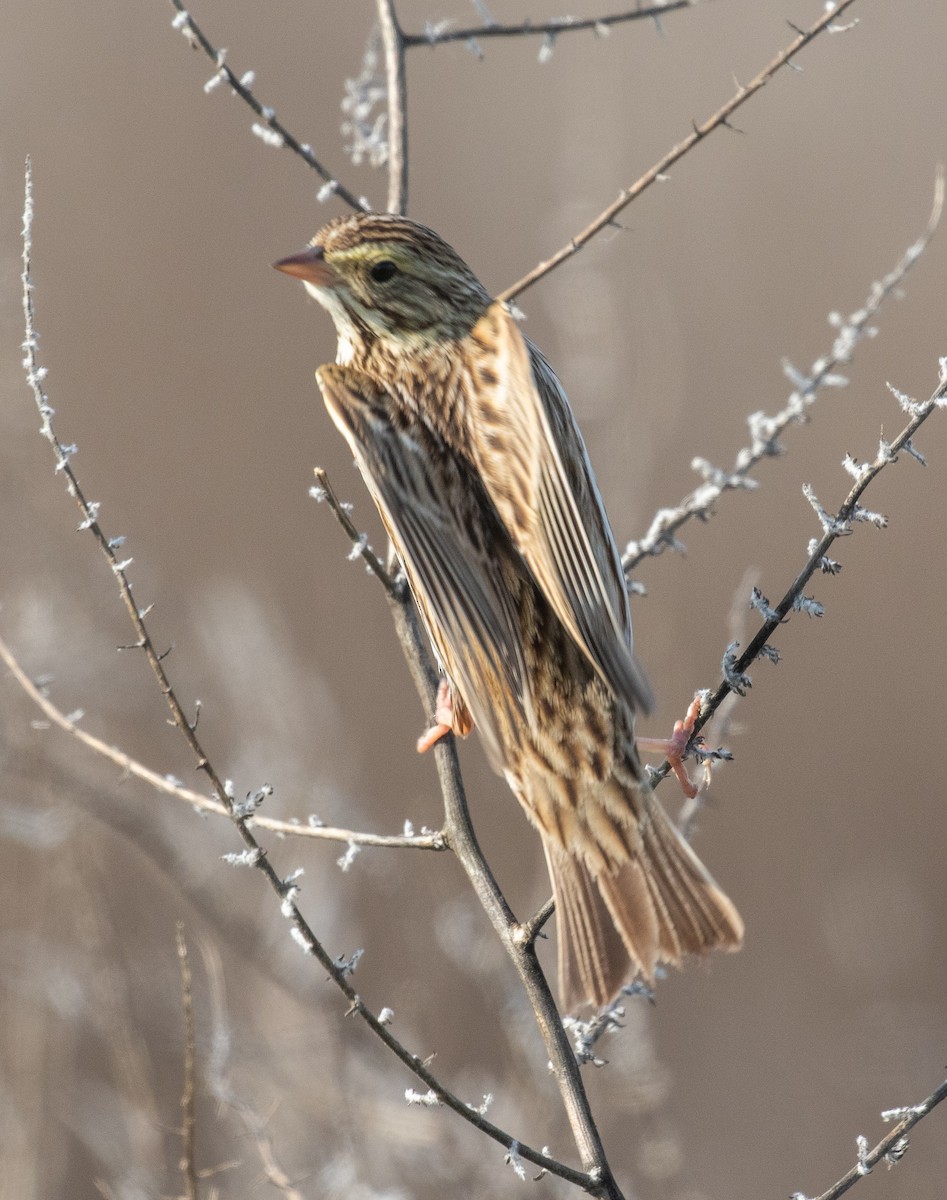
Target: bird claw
675 747
450 716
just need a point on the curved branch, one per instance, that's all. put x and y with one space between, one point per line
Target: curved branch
170 787
720 118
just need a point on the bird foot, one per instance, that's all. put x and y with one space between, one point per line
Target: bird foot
450 716
674 747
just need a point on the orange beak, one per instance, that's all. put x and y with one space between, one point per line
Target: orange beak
309 265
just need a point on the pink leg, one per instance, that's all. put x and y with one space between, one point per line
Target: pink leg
450 715
673 747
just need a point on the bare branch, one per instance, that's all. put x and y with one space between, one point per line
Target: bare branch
720 118
459 833
394 42
272 131
172 787
360 547
188 1167
438 35
891 1149
840 525
766 430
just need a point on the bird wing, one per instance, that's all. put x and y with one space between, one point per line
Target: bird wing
424 492
534 465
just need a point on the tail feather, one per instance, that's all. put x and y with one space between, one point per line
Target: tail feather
657 906
593 955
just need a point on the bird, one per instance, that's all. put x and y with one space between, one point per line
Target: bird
470 450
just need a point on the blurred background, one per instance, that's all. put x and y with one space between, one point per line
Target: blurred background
182 366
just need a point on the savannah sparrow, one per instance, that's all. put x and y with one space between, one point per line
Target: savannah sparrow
469 448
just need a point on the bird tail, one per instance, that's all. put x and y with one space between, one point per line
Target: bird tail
619 921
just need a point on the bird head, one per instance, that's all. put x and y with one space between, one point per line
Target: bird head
384 278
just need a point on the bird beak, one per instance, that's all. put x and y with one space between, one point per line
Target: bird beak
310 266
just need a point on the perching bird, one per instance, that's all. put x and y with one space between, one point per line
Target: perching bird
469 448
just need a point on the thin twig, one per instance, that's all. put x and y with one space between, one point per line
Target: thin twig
720 118
188 1123
765 430
393 585
397 86
891 1148
172 787
240 813
279 134
438 35
840 525
717 731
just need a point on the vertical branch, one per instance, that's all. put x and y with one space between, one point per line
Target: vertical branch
188 1169
394 42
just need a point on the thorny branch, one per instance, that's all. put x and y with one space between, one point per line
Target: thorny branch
439 33
833 527
891 1149
765 430
239 812
395 586
273 131
720 118
172 787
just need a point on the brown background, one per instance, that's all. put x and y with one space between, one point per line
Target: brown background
182 365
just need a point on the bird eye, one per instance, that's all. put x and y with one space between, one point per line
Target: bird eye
382 271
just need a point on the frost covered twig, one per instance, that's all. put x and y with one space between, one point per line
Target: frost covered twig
720 118
891 1149
166 784
766 430
841 524
439 34
360 547
272 130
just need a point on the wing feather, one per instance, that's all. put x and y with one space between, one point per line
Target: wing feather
535 467
463 599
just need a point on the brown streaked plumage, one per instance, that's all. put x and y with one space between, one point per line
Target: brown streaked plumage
469 448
